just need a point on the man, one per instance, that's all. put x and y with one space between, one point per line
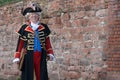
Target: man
35 43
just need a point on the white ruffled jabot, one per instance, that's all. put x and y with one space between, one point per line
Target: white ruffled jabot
35 25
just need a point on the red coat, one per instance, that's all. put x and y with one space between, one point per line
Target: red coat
21 42
26 40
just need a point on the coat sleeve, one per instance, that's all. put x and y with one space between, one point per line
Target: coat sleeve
20 42
19 47
48 46
48 43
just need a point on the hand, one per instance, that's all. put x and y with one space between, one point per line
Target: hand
16 60
50 57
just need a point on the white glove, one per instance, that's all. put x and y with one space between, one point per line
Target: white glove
16 60
52 57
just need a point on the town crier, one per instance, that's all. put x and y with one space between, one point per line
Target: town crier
33 47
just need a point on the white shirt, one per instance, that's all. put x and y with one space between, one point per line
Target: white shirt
35 25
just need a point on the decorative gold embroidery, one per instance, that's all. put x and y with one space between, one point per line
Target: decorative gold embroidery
30 41
41 33
42 39
23 39
30 47
30 35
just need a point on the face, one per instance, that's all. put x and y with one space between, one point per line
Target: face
34 17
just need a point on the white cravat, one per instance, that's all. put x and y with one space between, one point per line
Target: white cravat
35 25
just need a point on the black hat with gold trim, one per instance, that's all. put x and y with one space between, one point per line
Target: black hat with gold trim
32 9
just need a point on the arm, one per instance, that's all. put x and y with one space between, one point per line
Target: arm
48 44
49 49
18 49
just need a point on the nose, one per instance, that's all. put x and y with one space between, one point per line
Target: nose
33 14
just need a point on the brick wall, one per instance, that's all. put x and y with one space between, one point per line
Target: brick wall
113 41
80 34
10 20
84 35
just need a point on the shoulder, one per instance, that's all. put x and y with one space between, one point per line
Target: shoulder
45 25
24 26
21 30
47 30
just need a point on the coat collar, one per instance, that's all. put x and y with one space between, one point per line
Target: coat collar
29 29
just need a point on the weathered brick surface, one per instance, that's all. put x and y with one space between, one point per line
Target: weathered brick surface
113 41
84 34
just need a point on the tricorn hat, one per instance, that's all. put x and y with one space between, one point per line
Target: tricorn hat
32 9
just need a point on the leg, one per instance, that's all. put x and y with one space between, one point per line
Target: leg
37 57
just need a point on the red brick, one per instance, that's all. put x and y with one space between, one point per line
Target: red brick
51 21
74 75
54 6
90 13
64 74
84 22
77 3
80 14
76 23
75 34
74 68
67 24
65 17
58 20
